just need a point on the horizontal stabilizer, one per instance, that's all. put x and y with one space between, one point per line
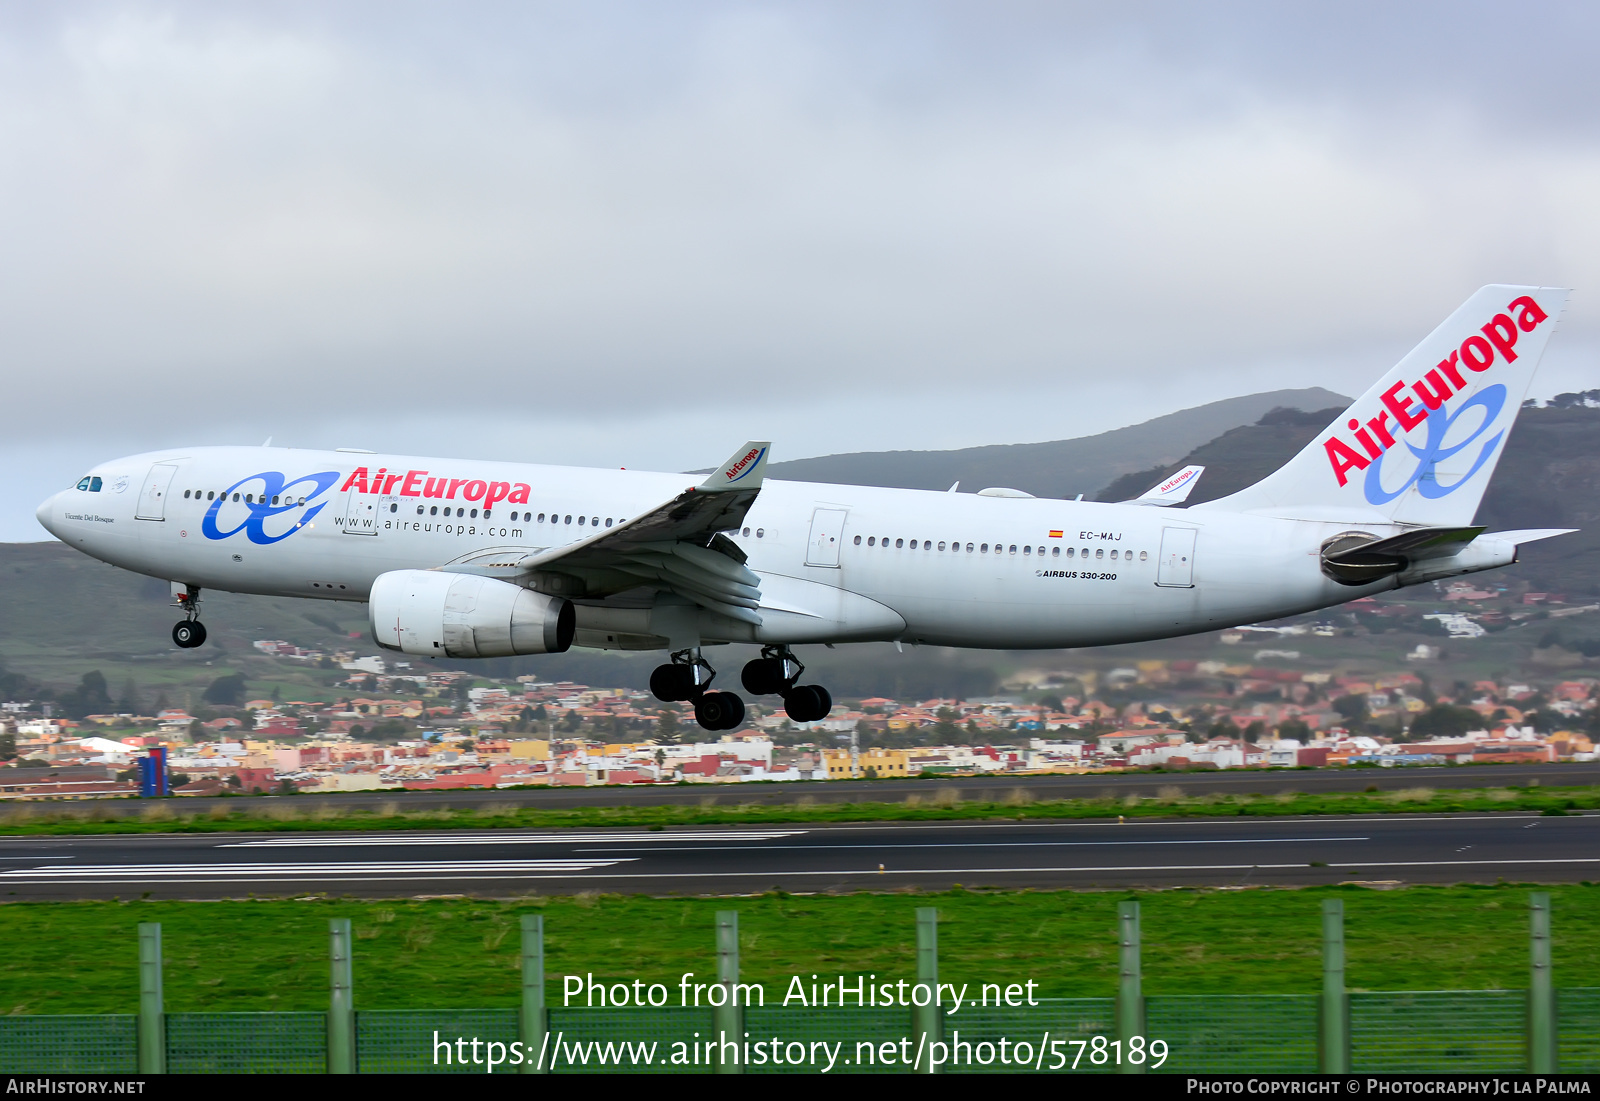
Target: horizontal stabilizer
1530 535
1174 491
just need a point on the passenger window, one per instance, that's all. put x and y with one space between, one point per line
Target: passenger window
434 511
581 520
1144 556
1055 552
899 544
858 540
394 506
1100 553
419 510
235 498
274 500
746 533
569 519
1113 556
593 523
186 495
872 540
1027 550
760 532
475 514
941 545
301 501
1072 552
541 517
969 548
985 548
1013 548
608 521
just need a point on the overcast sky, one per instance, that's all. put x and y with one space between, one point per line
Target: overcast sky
639 234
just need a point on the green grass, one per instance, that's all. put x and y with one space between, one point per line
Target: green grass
938 804
81 957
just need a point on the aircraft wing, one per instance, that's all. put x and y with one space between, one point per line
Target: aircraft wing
677 546
1173 491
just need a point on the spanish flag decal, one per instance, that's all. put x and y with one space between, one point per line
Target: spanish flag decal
1055 535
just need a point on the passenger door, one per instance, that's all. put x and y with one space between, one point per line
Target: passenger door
153 497
1176 568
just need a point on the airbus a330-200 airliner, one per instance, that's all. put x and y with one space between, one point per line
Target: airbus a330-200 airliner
464 559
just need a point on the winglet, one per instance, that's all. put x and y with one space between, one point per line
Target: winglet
743 470
1173 491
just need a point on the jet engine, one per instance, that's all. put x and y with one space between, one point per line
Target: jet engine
460 615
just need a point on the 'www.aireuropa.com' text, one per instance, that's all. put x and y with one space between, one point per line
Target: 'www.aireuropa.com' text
1044 1053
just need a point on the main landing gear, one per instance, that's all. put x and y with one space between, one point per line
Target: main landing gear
775 673
688 676
189 632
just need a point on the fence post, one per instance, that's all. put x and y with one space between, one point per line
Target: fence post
928 1019
1333 1037
1130 999
533 1020
1541 990
152 1014
727 1016
341 1000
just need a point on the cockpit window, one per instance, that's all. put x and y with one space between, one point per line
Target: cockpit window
94 485
84 485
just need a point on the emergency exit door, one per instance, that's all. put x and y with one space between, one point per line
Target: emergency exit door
827 528
1176 568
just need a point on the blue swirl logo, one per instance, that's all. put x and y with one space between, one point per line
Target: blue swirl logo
260 510
1491 399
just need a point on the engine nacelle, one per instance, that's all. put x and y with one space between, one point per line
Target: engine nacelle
460 615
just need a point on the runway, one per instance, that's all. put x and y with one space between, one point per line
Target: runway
804 859
976 788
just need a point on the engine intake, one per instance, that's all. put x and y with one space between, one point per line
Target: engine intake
458 615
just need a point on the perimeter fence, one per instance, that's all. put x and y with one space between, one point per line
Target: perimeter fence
1539 1029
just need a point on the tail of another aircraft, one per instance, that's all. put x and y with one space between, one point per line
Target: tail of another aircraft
1420 446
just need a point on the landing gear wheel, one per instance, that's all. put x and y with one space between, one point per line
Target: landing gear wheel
672 683
807 703
719 711
762 677
189 634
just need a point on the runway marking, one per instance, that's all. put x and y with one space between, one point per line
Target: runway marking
362 869
506 839
1003 844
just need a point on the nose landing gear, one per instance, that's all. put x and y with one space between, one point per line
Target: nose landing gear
189 632
775 673
688 676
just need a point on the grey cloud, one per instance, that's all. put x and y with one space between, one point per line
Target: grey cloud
367 215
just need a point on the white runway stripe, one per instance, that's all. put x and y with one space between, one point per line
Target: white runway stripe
507 839
890 846
379 869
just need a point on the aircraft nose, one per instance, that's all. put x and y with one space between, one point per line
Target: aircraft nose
47 513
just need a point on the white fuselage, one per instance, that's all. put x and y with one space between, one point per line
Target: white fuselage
838 563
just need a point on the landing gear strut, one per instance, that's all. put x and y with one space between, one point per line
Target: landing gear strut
189 632
688 676
775 673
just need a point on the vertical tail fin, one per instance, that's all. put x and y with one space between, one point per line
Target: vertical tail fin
1420 446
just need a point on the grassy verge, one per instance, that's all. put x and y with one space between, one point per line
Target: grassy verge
720 808
81 957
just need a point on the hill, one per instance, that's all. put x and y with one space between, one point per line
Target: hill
1060 468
